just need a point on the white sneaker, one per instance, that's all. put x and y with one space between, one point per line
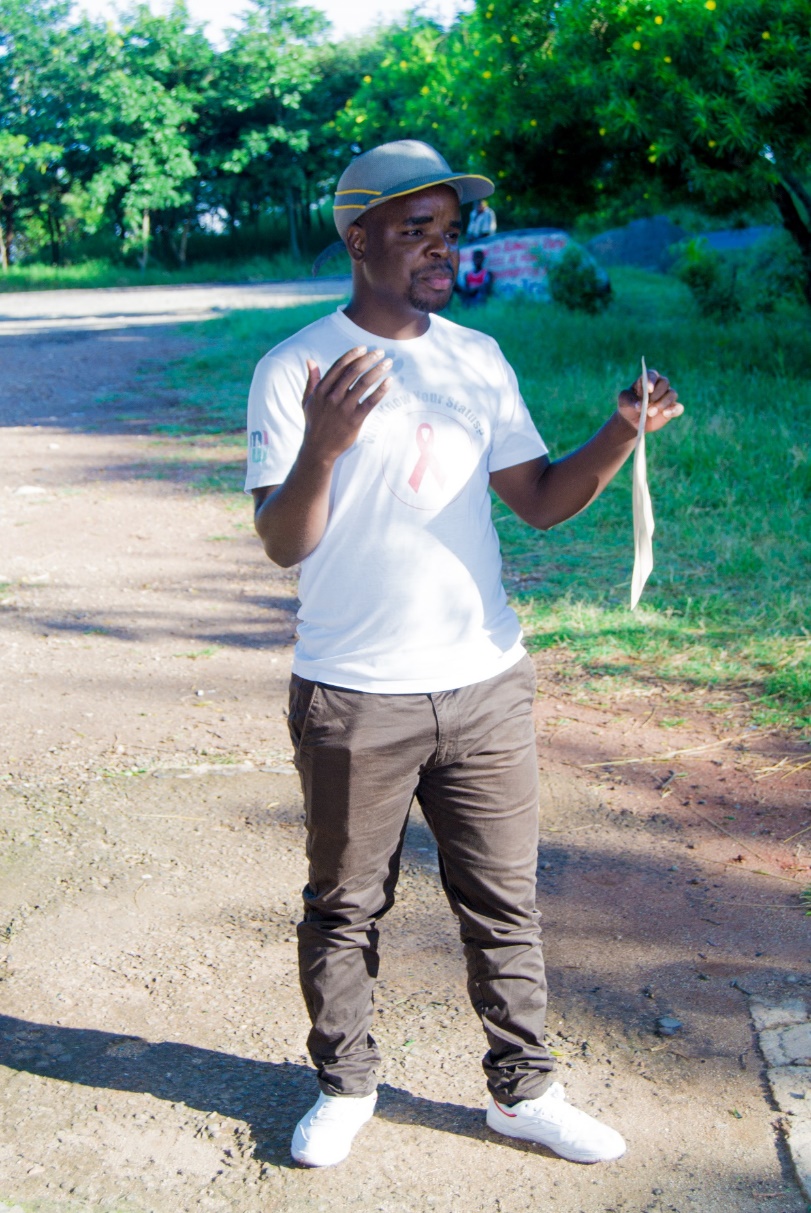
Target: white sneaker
550 1121
324 1136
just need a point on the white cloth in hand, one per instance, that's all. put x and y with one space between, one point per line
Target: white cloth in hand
643 510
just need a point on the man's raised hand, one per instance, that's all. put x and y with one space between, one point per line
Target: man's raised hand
333 409
663 403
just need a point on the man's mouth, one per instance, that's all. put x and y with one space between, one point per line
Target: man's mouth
437 280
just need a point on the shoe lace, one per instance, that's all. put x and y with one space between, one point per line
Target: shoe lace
552 1105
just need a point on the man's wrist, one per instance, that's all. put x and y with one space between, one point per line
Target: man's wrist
313 462
623 430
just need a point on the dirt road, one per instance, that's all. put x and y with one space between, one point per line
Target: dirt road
151 1031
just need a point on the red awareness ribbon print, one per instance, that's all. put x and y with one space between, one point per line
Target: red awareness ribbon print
425 442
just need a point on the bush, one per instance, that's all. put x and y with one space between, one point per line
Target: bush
772 274
576 282
712 281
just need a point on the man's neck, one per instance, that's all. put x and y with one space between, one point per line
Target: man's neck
379 317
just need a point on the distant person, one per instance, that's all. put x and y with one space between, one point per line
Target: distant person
477 284
482 221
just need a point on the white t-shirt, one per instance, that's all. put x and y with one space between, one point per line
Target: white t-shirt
403 594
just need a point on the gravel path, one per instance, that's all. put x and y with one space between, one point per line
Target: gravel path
151 1031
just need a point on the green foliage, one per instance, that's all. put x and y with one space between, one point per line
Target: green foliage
710 278
576 283
772 275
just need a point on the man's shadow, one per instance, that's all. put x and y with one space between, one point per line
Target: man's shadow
268 1096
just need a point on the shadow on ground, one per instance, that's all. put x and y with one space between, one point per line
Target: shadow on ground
269 1096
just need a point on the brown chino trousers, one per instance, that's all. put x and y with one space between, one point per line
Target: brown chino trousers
468 756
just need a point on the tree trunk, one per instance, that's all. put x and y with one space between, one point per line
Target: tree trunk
184 241
146 227
54 236
180 247
798 228
10 231
295 248
6 233
306 212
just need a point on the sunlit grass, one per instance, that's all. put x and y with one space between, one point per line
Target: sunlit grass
726 611
100 273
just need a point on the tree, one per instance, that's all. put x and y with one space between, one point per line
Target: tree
711 99
34 77
260 129
134 125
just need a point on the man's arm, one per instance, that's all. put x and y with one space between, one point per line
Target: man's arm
291 518
544 493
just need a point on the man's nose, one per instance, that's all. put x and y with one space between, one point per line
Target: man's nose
440 246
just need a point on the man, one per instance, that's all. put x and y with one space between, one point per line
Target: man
482 221
377 432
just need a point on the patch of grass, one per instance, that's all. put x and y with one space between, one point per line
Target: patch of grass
726 611
727 607
280 267
214 381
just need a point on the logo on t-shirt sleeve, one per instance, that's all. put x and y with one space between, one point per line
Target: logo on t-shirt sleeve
258 446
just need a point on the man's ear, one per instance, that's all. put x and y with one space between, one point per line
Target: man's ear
355 240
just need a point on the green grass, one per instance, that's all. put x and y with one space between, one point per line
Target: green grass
100 273
725 614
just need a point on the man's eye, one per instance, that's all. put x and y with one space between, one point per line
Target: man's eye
414 231
453 237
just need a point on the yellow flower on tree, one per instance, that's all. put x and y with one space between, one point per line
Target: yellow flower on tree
637 46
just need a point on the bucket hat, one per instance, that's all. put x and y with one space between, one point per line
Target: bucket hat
393 170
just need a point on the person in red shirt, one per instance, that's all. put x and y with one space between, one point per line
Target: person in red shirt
478 282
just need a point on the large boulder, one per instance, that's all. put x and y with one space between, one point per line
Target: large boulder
517 260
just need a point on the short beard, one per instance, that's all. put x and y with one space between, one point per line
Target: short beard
421 303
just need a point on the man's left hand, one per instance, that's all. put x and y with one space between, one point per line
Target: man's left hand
663 403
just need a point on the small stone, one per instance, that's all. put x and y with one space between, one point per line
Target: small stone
674 867
668 1025
29 490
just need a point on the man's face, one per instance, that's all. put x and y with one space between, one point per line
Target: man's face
408 248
